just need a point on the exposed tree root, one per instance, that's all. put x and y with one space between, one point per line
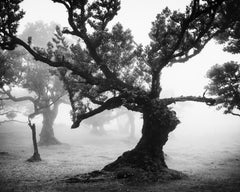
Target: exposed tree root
129 175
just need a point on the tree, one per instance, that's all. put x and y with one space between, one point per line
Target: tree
97 123
224 83
225 79
45 94
111 70
38 80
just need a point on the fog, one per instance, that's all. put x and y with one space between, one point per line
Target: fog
205 139
204 136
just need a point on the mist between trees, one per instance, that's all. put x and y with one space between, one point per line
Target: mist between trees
104 69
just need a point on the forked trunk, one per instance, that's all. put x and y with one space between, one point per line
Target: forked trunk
148 154
47 134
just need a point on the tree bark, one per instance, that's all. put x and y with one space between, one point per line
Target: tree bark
148 154
36 155
47 134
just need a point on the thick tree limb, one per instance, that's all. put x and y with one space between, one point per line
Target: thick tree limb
169 101
107 105
73 67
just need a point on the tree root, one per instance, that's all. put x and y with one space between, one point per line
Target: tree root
129 175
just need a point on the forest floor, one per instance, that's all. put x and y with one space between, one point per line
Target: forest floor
209 167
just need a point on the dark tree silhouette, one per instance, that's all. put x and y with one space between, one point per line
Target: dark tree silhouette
224 83
111 70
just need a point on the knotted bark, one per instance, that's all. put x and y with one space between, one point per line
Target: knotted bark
148 155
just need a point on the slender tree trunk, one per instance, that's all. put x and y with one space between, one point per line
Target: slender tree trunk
148 154
36 155
47 134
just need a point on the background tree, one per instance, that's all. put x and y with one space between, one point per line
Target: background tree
40 81
45 92
12 71
117 72
125 120
97 122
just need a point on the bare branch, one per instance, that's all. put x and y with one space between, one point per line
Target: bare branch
16 99
235 114
169 101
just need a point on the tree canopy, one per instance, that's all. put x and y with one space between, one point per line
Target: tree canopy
108 68
224 83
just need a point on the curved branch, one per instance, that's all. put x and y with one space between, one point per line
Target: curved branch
17 99
90 44
235 114
77 70
111 103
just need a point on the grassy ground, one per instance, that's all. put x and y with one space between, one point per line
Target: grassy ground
208 169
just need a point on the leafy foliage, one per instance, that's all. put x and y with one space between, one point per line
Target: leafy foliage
22 71
10 15
231 36
225 83
9 65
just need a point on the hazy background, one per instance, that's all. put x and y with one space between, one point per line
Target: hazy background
202 128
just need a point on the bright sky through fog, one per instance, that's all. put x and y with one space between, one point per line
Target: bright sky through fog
181 79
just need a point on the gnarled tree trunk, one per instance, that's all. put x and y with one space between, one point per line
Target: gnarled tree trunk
148 154
47 134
